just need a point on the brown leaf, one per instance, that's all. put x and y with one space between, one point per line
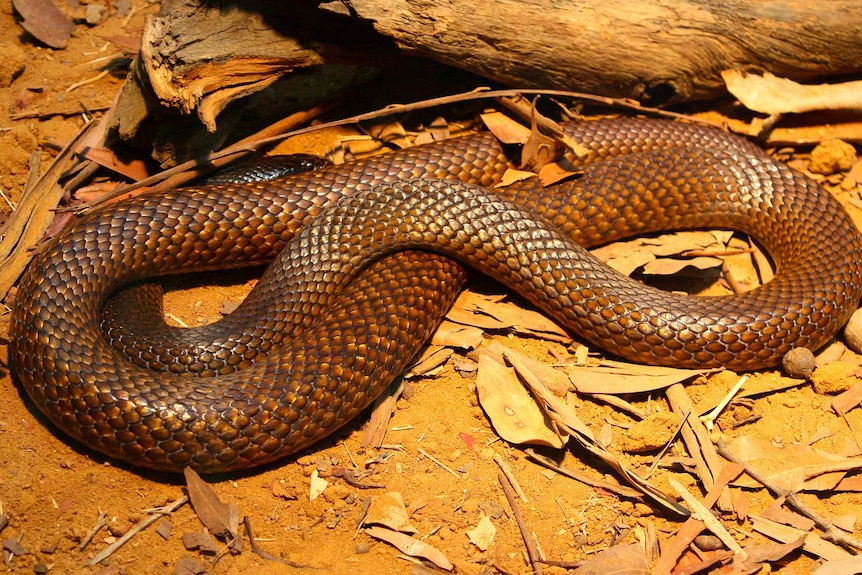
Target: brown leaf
188 566
511 176
14 547
505 128
490 312
432 358
410 546
673 266
45 21
282 491
849 566
539 149
553 173
617 378
452 334
771 94
389 511
813 543
847 400
512 410
128 43
626 257
775 512
220 518
618 560
200 541
163 528
555 380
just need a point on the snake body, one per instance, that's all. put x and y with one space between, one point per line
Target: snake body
369 270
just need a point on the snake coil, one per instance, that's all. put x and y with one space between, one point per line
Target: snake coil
368 271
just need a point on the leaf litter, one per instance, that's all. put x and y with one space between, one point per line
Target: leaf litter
770 554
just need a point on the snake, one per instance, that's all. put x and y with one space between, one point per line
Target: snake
364 260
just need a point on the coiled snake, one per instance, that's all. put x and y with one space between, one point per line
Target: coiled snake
342 311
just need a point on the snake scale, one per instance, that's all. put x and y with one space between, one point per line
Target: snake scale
369 268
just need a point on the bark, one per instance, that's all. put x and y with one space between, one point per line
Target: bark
198 56
657 51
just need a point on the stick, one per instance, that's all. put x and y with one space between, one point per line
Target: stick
137 528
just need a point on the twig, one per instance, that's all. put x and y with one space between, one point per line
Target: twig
438 462
137 528
830 532
708 519
532 552
709 419
260 552
100 522
254 143
507 471
86 81
621 490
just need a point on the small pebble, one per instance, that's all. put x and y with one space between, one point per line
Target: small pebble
708 543
798 363
853 332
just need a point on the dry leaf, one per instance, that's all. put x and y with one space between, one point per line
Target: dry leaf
770 552
849 566
490 312
702 512
847 400
776 512
813 544
673 266
374 430
553 173
220 518
617 378
431 358
389 511
618 560
280 490
131 168
539 149
505 128
439 129
512 410
482 536
200 541
316 485
793 467
770 94
626 257
511 176
452 334
45 22
410 546
845 522
569 422
556 380
188 566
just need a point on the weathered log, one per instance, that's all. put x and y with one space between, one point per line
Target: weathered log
657 51
198 56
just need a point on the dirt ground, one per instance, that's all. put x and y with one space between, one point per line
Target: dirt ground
53 491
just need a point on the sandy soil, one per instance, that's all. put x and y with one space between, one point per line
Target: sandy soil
53 491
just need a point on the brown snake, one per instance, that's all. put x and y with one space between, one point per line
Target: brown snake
342 311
